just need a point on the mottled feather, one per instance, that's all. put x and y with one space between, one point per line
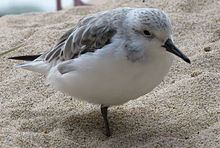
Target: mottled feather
91 33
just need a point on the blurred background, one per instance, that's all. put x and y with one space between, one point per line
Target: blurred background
24 6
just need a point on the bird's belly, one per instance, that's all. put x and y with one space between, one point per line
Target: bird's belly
111 81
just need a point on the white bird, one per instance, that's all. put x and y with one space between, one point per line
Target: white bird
110 57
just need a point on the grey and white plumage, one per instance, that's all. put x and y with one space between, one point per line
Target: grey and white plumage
111 57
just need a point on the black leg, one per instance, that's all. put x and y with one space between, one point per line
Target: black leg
104 111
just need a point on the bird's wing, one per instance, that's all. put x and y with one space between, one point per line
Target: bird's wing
91 33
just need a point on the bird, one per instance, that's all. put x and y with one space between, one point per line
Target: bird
109 57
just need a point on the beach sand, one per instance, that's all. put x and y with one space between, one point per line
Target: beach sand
183 111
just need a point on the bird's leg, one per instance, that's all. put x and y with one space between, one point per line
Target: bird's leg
104 111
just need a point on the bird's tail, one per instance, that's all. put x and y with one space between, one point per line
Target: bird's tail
25 58
37 64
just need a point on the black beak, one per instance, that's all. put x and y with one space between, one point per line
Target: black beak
169 45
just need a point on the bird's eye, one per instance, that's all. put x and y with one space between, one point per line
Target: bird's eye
147 33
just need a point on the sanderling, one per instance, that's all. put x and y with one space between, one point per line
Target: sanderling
110 57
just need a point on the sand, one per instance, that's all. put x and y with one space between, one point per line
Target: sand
184 111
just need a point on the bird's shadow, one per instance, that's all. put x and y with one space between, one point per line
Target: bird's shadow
123 123
127 126
91 124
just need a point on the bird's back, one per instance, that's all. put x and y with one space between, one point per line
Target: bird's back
91 33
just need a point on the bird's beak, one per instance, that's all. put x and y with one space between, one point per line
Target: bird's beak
169 45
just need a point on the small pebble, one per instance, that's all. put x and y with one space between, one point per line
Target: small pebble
207 49
195 73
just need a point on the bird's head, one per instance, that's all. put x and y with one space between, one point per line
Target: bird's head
152 28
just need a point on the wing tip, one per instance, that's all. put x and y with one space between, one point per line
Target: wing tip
25 58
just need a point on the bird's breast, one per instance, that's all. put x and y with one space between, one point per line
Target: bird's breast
112 79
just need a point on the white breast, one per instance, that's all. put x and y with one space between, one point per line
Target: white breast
107 77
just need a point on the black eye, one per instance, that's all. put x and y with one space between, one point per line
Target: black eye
147 33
